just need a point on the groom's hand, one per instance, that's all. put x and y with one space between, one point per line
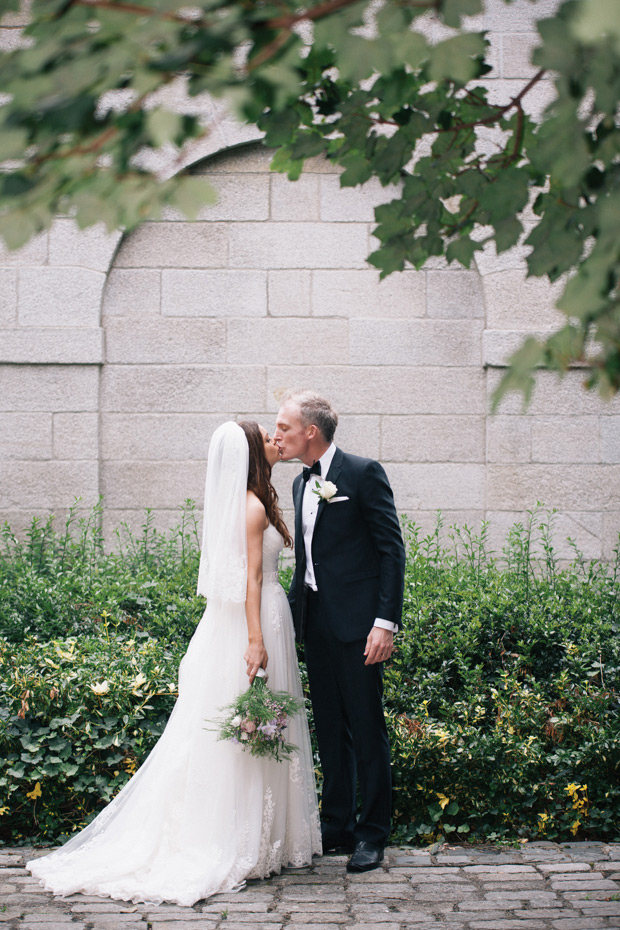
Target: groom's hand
379 645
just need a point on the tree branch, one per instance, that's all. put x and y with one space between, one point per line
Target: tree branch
269 50
499 110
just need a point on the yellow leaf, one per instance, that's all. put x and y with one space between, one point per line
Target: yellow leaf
443 800
35 793
3 810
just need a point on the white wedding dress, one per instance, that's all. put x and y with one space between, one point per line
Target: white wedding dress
200 816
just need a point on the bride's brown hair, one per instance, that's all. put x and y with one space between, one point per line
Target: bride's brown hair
259 478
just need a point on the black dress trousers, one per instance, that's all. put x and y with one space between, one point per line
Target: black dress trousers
351 731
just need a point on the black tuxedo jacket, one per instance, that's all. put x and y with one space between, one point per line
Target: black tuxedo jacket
357 551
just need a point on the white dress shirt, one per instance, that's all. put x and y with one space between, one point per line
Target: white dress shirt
309 510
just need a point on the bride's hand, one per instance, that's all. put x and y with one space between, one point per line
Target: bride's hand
255 658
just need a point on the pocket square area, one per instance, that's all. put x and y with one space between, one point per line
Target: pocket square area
334 500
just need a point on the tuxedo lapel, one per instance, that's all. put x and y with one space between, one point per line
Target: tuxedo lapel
299 533
332 475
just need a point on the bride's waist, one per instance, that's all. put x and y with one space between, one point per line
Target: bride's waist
271 578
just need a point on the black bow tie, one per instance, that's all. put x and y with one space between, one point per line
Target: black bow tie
315 470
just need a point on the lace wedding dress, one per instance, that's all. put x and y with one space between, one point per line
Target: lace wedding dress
200 815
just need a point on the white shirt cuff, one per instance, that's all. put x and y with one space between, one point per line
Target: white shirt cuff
386 625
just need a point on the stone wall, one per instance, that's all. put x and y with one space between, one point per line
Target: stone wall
119 357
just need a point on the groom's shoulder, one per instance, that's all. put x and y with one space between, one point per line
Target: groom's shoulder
360 462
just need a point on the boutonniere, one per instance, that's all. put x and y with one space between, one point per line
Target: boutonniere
327 492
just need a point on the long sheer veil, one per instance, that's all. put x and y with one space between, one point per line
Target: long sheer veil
223 561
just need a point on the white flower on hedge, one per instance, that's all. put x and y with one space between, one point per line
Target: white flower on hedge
101 687
138 681
325 491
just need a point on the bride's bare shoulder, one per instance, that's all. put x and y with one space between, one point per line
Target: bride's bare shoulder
256 515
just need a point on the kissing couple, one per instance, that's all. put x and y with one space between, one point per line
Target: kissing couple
200 816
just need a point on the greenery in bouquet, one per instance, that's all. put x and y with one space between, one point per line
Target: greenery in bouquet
257 719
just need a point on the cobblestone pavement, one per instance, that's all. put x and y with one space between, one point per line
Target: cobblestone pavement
542 886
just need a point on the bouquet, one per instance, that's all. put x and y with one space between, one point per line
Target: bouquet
257 718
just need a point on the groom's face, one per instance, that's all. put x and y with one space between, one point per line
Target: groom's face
291 436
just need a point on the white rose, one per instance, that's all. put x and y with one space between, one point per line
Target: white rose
328 490
235 721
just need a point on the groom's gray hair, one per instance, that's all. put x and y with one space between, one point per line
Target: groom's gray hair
314 410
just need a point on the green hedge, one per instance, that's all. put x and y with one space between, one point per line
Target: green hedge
502 699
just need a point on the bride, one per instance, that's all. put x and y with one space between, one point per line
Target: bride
200 816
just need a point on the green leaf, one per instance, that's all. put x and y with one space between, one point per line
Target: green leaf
558 45
506 194
283 162
455 59
92 209
163 126
12 143
17 228
597 18
410 48
190 194
507 233
308 145
463 250
453 10
519 375
358 169
279 126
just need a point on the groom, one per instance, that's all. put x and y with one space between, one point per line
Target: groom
346 597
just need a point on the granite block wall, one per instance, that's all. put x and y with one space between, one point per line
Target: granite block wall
120 355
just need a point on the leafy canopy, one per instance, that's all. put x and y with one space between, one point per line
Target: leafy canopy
84 125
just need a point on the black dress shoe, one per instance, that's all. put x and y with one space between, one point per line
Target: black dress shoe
366 856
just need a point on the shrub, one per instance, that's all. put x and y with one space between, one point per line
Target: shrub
504 693
502 698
